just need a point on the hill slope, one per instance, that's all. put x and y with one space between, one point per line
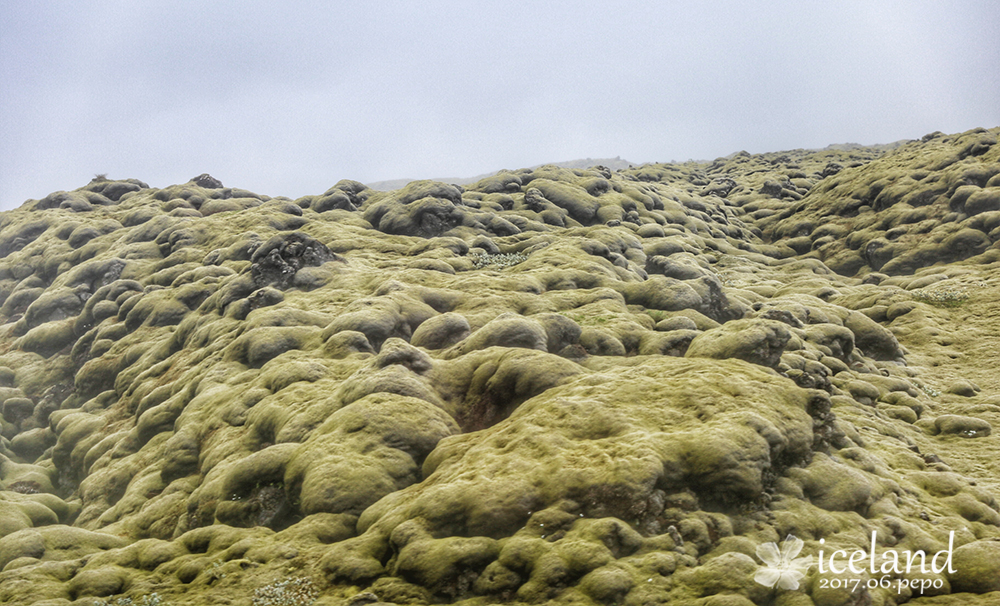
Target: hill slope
611 163
553 385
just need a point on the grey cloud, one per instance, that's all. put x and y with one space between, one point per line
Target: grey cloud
288 98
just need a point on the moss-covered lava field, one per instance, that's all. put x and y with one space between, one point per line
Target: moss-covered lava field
553 386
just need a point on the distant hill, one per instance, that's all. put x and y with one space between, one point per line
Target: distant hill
854 146
615 163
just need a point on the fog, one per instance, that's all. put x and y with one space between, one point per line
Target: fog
288 98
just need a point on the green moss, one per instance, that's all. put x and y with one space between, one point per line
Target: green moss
200 401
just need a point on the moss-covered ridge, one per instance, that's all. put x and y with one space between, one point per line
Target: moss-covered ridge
554 385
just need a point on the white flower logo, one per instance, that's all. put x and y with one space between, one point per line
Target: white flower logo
782 568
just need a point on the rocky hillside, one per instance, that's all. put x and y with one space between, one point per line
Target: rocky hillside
585 163
566 386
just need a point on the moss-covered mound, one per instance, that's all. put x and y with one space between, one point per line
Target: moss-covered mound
552 386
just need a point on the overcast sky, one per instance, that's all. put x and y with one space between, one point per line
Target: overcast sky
287 98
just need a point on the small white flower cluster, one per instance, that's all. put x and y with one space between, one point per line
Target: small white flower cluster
499 261
298 591
152 599
950 296
733 280
930 391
